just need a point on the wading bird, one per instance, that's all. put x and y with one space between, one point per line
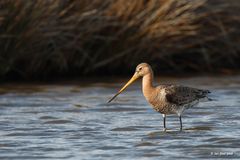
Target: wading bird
165 99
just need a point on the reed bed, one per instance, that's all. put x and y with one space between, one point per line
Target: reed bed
43 39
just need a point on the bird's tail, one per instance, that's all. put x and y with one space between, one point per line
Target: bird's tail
206 95
210 99
203 95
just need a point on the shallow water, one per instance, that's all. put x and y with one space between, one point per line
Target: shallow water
74 121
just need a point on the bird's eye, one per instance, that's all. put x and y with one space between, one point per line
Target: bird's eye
140 69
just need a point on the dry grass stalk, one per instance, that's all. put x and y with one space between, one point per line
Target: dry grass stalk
44 38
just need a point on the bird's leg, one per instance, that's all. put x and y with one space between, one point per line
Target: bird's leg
180 119
164 122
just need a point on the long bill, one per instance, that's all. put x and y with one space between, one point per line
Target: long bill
134 78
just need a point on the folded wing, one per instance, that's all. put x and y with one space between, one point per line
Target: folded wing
181 95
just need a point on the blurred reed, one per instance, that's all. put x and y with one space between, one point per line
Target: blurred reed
41 39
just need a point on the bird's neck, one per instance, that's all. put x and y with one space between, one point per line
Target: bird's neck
147 84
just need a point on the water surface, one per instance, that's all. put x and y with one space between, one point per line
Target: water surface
73 121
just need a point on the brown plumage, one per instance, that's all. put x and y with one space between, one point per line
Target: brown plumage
165 99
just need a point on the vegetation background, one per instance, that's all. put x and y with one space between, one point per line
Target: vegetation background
43 39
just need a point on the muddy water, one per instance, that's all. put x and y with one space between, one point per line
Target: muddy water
74 121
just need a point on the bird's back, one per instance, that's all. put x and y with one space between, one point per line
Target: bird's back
170 99
182 95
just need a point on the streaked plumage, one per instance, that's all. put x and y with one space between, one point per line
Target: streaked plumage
165 99
170 99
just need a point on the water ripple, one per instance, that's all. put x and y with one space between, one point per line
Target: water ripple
75 122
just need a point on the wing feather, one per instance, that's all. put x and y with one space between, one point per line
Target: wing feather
181 95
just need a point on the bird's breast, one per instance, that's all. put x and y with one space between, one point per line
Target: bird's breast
157 99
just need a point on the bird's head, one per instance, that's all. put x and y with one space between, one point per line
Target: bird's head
141 70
